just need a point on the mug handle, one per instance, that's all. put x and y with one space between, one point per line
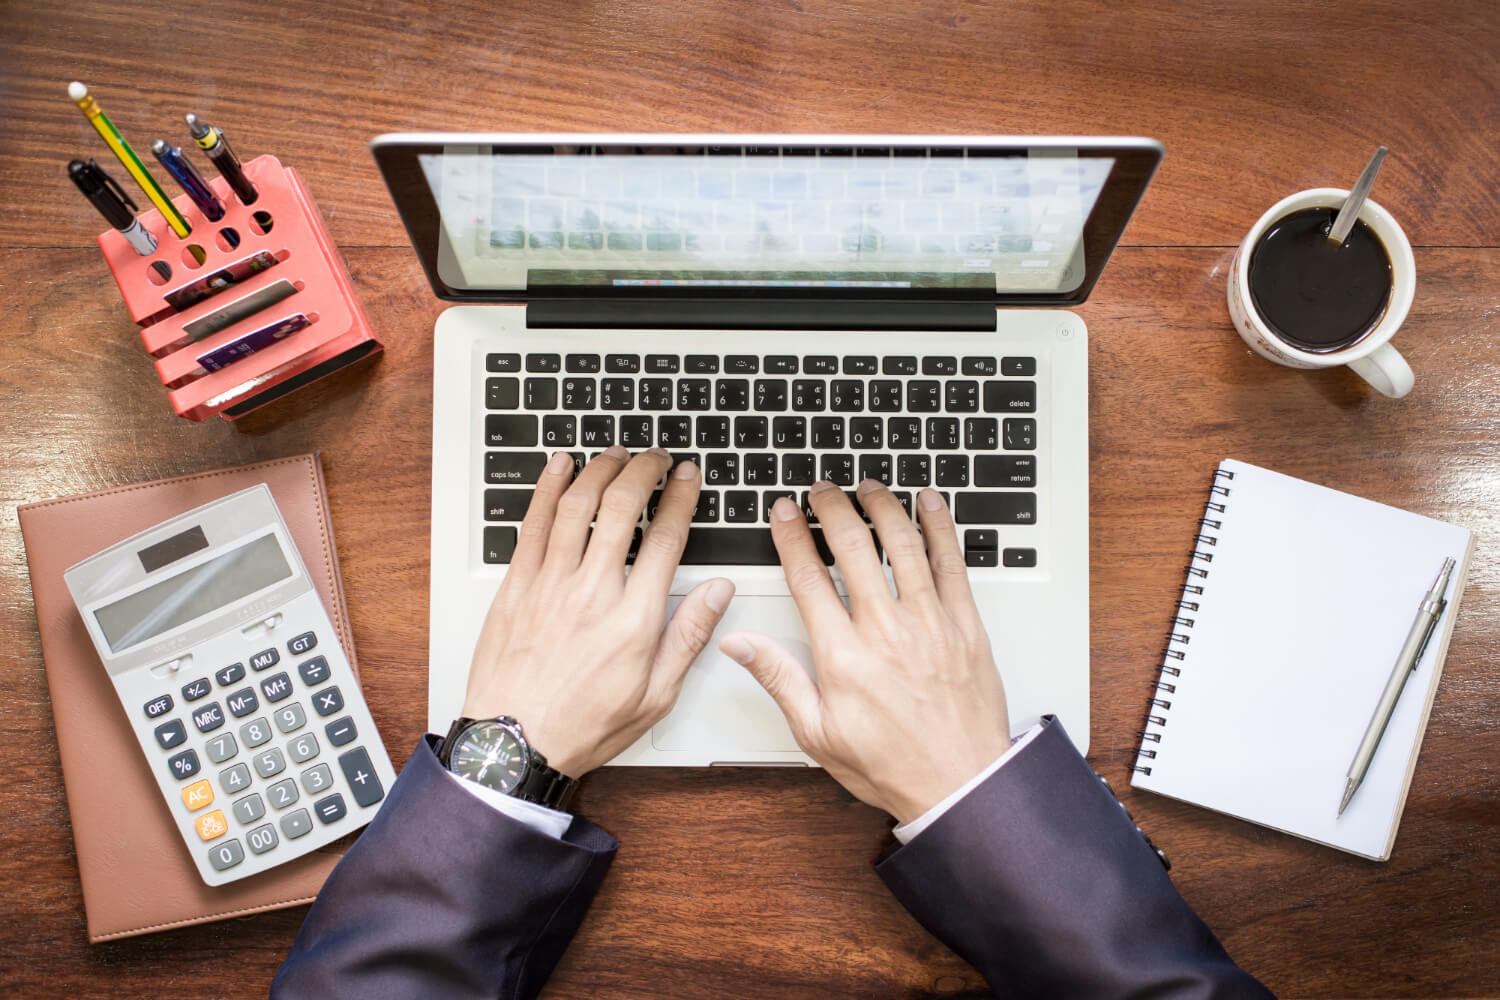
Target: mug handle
1386 370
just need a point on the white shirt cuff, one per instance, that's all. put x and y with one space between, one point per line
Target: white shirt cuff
907 832
538 817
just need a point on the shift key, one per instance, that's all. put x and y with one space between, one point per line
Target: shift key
995 508
510 430
506 505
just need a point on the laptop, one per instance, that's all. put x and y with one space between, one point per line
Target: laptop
780 309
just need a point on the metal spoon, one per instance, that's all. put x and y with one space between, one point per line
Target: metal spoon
1352 204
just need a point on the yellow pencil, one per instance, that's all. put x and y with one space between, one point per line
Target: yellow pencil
117 145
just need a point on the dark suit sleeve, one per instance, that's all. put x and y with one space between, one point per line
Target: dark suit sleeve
1042 883
444 896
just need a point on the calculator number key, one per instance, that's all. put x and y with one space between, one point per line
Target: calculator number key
255 732
315 671
184 765
291 718
262 839
317 778
283 793
222 747
234 779
300 644
303 748
226 855
269 763
169 734
250 808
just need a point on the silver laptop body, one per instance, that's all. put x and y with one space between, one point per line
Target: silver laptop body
780 309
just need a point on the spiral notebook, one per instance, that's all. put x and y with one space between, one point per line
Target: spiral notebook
1297 601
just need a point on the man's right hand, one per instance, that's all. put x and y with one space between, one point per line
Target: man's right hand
907 705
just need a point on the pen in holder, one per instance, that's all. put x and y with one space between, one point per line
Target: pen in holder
245 309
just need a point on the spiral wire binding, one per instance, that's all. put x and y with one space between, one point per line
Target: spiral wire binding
1178 638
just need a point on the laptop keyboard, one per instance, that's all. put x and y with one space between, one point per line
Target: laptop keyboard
762 427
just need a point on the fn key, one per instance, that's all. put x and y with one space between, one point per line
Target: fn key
499 544
361 777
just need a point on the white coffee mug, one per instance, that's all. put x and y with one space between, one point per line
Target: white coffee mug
1372 357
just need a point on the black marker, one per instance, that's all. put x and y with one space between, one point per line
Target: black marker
211 140
113 203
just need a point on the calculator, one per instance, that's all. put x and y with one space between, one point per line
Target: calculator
235 684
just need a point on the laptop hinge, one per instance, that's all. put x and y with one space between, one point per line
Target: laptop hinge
761 314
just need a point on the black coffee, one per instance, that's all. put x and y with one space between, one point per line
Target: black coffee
1318 295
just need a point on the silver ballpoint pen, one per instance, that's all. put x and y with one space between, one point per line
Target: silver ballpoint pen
1428 613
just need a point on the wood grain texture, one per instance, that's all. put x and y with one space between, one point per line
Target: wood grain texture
751 883
1254 100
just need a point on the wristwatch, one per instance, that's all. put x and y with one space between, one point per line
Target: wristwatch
495 753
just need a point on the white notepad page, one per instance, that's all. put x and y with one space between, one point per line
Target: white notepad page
1309 596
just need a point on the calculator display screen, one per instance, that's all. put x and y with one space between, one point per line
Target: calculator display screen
201 590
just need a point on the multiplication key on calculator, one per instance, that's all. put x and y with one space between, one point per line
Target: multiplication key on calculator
235 684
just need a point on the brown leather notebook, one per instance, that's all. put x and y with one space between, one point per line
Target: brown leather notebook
136 873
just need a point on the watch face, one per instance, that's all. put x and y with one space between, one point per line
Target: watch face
490 754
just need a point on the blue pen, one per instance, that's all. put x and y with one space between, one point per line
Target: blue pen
192 182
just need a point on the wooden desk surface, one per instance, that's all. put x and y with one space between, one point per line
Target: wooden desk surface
758 884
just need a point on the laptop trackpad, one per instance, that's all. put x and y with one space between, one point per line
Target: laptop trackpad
722 711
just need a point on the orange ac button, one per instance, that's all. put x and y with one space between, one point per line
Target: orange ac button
211 825
198 794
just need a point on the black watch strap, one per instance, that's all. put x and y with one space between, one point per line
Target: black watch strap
546 785
542 784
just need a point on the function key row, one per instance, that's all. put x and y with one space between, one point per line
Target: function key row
750 364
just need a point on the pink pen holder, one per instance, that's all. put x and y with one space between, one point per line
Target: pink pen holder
249 308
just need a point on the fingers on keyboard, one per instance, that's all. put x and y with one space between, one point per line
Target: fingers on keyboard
765 427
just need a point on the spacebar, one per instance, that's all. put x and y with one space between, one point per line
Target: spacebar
740 547
731 546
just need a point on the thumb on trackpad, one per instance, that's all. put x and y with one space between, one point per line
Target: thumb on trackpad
723 711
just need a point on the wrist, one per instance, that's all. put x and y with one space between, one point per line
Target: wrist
562 754
948 776
496 752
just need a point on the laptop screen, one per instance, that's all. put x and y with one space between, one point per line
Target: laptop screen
774 215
